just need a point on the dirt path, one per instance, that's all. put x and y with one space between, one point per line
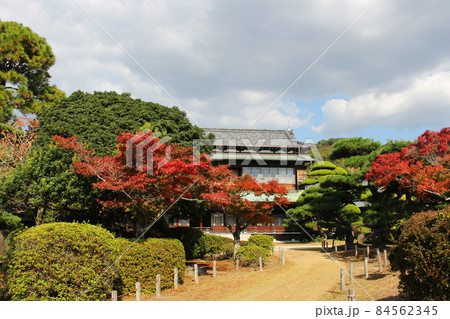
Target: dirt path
307 275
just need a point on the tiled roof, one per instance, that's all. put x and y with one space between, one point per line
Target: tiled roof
254 137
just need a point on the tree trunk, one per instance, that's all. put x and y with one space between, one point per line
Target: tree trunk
237 241
349 237
39 215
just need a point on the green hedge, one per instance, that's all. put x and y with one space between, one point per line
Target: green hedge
263 241
422 255
145 259
249 254
62 261
193 240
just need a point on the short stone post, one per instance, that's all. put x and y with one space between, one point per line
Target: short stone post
114 295
380 267
260 264
158 285
351 294
351 272
366 267
368 251
175 278
327 245
214 268
356 250
237 265
196 273
138 291
345 247
335 248
283 260
279 251
385 257
342 280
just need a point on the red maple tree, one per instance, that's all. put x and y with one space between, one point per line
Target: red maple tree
229 198
422 169
174 174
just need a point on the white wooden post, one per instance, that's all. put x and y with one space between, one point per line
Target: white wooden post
351 272
214 269
351 294
158 285
196 273
380 267
138 291
114 295
366 267
342 280
260 264
385 257
175 278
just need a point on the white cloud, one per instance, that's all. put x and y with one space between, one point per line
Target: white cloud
425 102
225 61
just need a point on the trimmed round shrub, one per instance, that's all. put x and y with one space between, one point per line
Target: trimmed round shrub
422 255
321 172
62 261
249 254
195 245
263 241
323 165
309 181
143 260
215 245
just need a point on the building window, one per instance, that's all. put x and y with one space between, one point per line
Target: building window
217 220
183 222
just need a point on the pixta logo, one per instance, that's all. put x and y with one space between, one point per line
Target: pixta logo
150 142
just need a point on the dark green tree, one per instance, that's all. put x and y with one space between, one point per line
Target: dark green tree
25 59
328 205
98 118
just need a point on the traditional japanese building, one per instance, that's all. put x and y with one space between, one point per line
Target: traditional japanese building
264 154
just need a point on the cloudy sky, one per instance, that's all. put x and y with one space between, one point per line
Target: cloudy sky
325 68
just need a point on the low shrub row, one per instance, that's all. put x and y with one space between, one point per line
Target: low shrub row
70 261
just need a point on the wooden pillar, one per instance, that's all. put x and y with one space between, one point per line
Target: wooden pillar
366 267
175 278
342 280
351 272
158 285
237 265
260 264
351 294
380 267
196 273
385 257
214 268
138 291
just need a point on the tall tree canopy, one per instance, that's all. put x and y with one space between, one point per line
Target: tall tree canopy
25 59
98 118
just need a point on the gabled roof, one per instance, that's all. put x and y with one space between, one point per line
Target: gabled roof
254 137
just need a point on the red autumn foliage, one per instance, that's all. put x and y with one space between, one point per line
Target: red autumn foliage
229 197
149 183
421 169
